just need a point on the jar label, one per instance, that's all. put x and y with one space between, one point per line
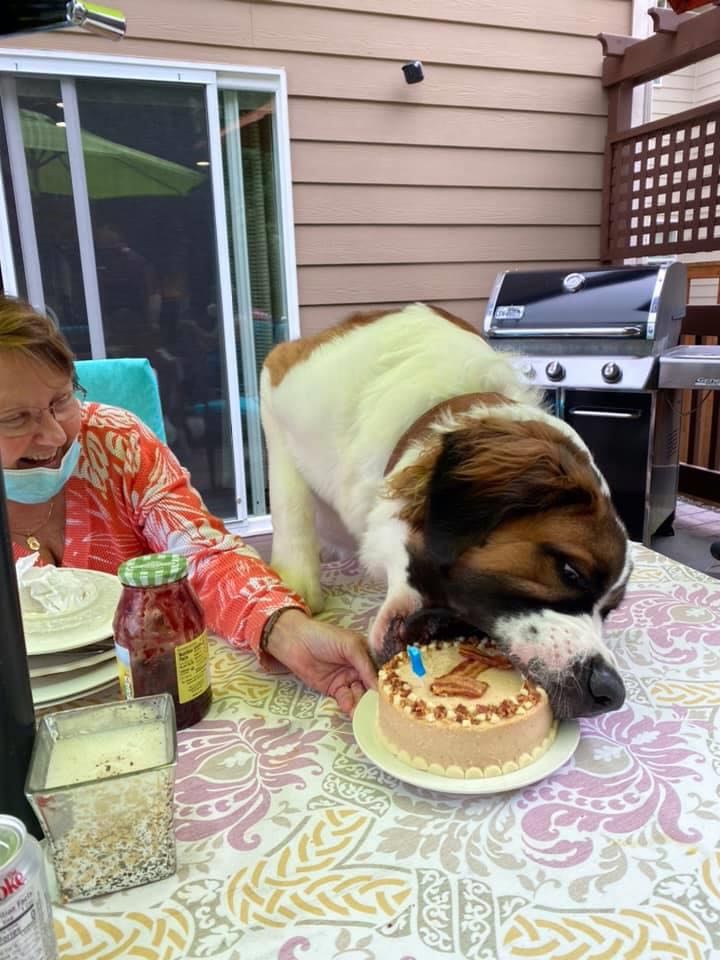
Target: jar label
193 668
122 656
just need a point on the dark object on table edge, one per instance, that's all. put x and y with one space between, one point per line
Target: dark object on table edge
17 714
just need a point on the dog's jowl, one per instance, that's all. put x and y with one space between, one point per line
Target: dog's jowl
460 489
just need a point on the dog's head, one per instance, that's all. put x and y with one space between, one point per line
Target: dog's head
515 533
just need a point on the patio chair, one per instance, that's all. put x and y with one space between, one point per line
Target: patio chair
129 383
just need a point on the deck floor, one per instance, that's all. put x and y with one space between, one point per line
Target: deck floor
697 525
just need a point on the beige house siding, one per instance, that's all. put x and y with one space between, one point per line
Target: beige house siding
707 82
684 89
675 92
423 191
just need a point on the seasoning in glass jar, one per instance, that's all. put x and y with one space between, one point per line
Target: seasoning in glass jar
160 637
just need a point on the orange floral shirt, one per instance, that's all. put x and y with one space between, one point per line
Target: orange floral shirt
129 496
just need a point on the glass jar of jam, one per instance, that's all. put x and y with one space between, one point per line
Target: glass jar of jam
160 636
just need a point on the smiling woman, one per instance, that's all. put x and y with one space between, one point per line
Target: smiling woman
39 424
89 486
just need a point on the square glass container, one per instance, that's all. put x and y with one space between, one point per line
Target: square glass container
101 781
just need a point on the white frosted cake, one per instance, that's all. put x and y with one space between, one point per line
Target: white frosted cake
471 715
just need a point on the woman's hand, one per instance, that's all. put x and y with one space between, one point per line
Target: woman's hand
330 659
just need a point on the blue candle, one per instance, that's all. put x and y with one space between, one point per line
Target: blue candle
416 661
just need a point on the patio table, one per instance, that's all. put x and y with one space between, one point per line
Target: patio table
292 845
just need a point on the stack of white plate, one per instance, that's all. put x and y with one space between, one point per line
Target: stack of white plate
71 654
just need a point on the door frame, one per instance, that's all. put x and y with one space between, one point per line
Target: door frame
214 77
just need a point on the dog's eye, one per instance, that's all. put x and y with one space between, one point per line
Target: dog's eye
571 576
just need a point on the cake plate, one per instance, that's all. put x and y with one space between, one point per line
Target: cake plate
365 730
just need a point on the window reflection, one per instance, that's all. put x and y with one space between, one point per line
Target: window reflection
152 235
12 214
152 217
259 305
48 168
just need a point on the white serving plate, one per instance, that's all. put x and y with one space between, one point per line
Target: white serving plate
91 623
365 730
59 688
82 695
45 664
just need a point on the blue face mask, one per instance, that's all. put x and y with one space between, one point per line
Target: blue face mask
39 484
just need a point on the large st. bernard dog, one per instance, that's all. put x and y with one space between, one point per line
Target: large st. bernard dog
460 490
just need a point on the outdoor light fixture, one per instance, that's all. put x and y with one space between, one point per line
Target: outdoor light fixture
413 72
24 16
96 19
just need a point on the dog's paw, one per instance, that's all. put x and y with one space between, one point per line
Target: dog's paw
387 635
438 624
307 586
385 641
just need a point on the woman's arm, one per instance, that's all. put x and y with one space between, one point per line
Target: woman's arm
244 600
237 589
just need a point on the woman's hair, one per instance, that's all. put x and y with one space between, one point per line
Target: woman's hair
28 332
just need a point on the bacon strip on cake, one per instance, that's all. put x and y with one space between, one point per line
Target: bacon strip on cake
448 686
498 661
462 680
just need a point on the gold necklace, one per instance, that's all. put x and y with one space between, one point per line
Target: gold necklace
31 540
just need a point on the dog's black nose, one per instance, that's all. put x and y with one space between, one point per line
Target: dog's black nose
592 688
605 685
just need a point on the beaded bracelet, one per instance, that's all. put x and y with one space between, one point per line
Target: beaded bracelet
269 626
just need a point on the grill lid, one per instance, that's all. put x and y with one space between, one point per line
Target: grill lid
637 303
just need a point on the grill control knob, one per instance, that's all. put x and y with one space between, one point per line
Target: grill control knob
611 373
528 370
555 371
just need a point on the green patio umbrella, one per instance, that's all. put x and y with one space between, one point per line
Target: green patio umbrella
112 170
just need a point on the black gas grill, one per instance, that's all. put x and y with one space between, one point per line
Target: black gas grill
592 339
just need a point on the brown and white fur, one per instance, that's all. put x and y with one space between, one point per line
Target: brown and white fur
492 508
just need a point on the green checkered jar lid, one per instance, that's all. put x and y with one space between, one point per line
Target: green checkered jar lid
153 570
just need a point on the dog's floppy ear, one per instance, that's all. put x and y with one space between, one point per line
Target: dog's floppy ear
494 469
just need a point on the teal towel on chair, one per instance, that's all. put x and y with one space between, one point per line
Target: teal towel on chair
130 383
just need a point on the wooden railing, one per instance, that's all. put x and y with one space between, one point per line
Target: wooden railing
700 421
660 191
661 186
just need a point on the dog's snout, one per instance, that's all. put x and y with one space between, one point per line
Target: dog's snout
593 687
605 685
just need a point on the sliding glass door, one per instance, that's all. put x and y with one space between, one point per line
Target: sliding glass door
148 215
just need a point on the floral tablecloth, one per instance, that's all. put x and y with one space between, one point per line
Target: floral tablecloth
293 846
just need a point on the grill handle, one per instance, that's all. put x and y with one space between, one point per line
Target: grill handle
568 332
609 414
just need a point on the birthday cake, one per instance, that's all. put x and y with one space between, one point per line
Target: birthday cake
470 715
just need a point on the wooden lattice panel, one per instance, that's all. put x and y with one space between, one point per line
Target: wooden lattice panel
664 186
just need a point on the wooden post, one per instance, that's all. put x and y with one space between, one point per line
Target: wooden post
619 118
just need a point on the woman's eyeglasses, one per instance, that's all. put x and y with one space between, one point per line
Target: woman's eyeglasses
22 422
